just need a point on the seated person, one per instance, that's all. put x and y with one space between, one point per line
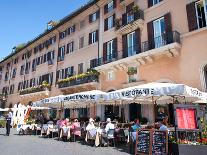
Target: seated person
90 125
136 125
163 126
107 134
76 127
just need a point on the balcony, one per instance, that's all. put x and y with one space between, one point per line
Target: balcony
130 22
85 81
167 44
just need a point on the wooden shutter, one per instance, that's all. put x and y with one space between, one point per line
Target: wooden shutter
90 39
72 70
57 75
114 4
98 14
129 7
168 28
90 18
150 3
104 52
66 73
53 54
124 19
106 9
97 35
72 45
124 46
115 52
67 50
150 30
106 24
138 41
114 18
191 15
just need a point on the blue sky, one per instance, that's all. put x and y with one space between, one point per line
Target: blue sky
23 20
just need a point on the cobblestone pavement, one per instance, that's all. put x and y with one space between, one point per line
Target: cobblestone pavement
34 145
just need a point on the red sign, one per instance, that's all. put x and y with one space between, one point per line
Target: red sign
186 118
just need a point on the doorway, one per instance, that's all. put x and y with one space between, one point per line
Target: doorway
134 111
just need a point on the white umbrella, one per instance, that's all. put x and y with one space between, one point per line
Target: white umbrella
162 93
5 109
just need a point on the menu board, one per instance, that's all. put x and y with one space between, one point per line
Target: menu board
186 118
143 142
159 143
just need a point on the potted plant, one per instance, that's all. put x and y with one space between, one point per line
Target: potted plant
132 71
135 8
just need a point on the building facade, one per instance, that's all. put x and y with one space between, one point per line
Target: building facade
129 42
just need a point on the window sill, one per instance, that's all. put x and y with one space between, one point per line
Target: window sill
154 6
194 32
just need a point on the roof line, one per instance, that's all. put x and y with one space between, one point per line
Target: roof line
62 21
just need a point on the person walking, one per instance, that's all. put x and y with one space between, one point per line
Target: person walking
8 123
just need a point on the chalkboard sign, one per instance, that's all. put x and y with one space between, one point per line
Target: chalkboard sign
159 143
143 144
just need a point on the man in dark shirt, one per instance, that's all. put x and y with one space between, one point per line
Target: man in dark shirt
8 123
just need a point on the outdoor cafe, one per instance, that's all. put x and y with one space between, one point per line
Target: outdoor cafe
182 128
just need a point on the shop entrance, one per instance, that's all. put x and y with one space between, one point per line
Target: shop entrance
134 111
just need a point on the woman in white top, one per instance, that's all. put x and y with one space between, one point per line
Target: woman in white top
90 125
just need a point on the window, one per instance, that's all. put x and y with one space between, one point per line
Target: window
16 61
201 13
14 73
155 1
159 30
22 70
80 68
82 24
131 42
93 17
110 75
61 53
7 76
71 29
109 50
50 57
110 22
110 6
62 35
61 74
70 47
11 89
81 42
130 17
69 72
93 37
27 68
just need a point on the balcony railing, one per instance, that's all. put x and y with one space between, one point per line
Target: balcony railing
128 18
78 81
157 42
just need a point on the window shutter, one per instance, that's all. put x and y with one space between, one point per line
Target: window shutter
124 46
150 3
104 52
106 24
98 14
114 18
114 4
68 31
59 52
150 31
72 70
115 52
124 19
90 39
73 28
57 75
90 18
66 73
53 54
67 51
106 9
129 7
191 15
138 41
97 35
168 28
72 45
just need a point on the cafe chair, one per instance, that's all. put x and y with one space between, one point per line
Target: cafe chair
110 136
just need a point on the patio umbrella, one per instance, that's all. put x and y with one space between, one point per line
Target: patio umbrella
161 93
